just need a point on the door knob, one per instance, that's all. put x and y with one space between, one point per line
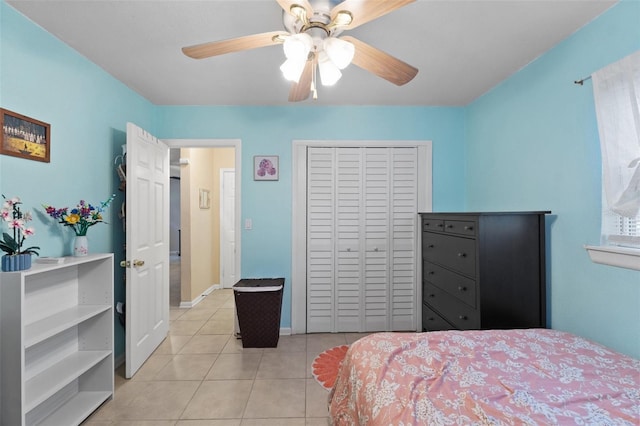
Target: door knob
137 263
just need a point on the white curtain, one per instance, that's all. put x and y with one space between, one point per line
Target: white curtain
616 90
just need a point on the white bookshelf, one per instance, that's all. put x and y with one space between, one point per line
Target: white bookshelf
56 329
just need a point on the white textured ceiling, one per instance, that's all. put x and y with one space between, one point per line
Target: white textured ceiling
462 48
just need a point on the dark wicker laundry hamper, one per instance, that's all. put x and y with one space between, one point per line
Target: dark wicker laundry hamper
258 306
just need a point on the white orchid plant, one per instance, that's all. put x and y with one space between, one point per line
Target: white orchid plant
17 222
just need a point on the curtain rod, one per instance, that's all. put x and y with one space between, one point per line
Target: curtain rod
581 81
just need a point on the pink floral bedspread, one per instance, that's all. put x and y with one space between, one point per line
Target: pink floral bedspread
496 377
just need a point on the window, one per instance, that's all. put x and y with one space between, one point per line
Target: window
616 91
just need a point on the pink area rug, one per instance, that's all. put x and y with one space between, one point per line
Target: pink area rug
325 366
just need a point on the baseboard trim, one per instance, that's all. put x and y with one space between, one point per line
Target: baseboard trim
194 302
285 331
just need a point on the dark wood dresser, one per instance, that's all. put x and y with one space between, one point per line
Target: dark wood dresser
483 270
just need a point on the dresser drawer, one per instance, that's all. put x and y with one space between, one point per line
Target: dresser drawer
456 253
456 285
432 224
454 311
431 321
460 227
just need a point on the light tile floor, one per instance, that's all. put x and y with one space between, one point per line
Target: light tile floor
201 375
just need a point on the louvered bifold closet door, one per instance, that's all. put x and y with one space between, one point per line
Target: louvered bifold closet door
349 212
404 226
377 212
320 239
361 239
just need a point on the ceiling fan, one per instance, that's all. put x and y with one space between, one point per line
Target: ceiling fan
311 44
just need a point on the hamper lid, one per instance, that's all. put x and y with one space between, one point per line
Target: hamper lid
259 284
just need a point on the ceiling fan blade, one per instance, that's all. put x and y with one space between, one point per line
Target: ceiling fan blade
215 48
380 63
364 11
286 6
302 89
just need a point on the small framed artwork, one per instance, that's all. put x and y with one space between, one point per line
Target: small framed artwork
205 199
265 167
24 137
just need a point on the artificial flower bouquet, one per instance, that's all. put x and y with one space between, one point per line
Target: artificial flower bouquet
80 218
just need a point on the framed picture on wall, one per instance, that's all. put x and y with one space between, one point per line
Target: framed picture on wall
24 137
205 198
265 167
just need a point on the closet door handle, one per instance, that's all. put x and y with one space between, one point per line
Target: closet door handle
462 254
462 288
463 317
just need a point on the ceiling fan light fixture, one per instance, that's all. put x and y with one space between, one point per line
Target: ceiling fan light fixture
329 72
298 46
292 69
339 51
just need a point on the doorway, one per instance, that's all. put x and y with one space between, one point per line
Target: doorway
200 260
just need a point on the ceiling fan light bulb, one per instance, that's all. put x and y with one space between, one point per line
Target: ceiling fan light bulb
292 69
340 52
344 17
329 72
297 46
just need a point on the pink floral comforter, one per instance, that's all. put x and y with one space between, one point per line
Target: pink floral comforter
496 377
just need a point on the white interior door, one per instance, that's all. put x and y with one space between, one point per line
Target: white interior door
227 227
147 242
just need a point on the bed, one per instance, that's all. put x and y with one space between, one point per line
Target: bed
484 377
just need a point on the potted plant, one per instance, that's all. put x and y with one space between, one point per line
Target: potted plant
79 219
17 258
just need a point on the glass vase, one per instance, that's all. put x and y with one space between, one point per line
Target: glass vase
80 246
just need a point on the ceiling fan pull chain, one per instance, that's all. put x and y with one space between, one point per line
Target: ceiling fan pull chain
313 81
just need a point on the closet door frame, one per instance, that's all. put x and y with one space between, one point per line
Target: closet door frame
299 215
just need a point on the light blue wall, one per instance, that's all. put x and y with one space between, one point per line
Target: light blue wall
266 249
87 109
532 143
529 144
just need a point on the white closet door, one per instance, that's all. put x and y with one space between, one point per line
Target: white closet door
349 211
403 234
376 283
361 239
320 239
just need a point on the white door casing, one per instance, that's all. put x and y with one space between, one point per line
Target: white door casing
405 250
227 228
147 243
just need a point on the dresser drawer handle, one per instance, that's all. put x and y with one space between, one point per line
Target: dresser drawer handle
468 228
449 226
463 317
432 272
462 288
432 295
431 319
462 254
430 246
439 225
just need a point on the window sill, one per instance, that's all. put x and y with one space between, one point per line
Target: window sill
622 257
